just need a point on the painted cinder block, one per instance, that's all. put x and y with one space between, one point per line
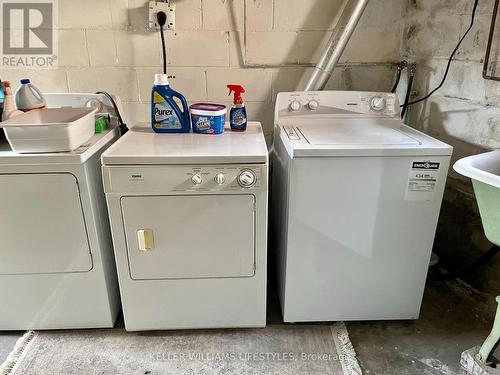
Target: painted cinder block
306 15
374 44
198 48
134 113
259 15
101 47
137 49
115 80
257 83
191 82
236 49
188 15
72 48
88 14
224 15
435 37
271 47
47 80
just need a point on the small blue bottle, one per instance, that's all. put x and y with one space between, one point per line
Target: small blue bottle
238 114
166 115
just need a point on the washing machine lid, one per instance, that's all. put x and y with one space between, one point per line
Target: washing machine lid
358 136
360 133
141 145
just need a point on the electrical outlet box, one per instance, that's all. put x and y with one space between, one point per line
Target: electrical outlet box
161 6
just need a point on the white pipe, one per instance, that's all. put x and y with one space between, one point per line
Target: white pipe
340 37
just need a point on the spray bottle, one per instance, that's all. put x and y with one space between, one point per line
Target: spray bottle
238 115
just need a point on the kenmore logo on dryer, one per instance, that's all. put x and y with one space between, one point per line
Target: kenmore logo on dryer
425 165
163 112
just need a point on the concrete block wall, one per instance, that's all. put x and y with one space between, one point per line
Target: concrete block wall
465 113
266 45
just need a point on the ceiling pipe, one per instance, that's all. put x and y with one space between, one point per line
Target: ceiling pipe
340 36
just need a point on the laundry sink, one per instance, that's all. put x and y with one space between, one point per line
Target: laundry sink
484 170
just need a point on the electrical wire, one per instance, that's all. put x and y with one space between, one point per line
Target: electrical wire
474 8
121 124
162 19
409 86
164 50
398 77
407 96
486 257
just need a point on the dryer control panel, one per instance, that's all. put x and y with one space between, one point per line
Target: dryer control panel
229 178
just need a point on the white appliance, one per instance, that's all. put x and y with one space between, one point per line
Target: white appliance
189 221
355 201
56 260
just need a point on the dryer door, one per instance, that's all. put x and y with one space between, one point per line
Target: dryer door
42 227
195 236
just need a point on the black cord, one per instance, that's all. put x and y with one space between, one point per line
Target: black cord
162 19
123 127
468 269
398 77
164 50
408 94
474 8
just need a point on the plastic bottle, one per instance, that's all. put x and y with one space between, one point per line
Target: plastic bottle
1 100
166 116
238 114
28 97
2 134
9 108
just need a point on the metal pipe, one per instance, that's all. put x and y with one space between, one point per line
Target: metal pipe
340 36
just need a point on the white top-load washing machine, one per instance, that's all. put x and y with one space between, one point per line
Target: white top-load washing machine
56 259
189 221
355 201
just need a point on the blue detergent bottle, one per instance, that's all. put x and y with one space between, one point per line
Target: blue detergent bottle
238 114
166 115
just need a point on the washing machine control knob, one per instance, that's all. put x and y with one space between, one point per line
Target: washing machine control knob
313 105
197 179
220 178
295 106
377 103
246 178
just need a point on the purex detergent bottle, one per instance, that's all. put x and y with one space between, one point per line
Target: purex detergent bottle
166 116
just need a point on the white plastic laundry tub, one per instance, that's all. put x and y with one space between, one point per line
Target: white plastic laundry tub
50 129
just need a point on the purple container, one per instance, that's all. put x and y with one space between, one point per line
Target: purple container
208 118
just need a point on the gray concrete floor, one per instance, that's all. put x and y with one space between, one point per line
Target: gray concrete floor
7 342
454 318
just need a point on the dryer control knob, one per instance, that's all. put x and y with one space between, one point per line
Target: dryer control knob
377 103
313 105
220 178
246 178
196 179
295 106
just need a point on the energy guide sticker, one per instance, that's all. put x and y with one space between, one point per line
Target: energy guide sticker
422 180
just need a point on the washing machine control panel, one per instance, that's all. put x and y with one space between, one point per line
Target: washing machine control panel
185 178
325 103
